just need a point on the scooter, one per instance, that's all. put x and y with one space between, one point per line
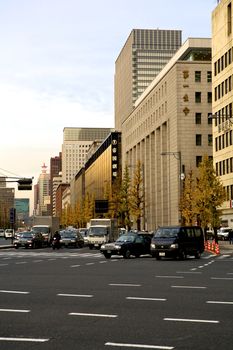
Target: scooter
56 243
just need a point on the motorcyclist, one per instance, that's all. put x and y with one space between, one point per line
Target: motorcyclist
57 236
56 240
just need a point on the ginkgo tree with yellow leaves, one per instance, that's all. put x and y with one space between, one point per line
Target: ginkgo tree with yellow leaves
202 197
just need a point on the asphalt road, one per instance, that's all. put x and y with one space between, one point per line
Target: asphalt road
76 299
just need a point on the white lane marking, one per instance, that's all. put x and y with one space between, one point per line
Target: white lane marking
52 259
194 269
91 315
89 263
37 261
197 272
189 320
222 278
74 265
124 285
4 264
219 302
24 339
140 298
102 262
141 346
75 295
169 276
13 291
229 273
13 310
20 262
191 287
223 256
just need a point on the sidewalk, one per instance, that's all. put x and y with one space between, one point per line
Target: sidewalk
225 245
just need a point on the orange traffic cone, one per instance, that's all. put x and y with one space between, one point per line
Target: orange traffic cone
217 250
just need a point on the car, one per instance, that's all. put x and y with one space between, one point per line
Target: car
84 234
2 232
29 239
132 243
223 233
71 238
9 233
177 242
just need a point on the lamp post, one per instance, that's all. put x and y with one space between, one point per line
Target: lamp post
177 155
225 121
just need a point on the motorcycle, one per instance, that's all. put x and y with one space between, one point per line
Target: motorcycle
56 243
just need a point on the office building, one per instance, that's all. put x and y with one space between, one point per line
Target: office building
222 63
76 143
169 130
55 170
142 57
43 205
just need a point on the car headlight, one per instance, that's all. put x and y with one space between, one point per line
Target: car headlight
73 240
174 246
103 246
117 246
29 241
152 245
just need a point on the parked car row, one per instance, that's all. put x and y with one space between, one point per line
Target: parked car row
7 233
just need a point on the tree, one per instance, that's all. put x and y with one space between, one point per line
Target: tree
137 195
88 207
209 195
187 202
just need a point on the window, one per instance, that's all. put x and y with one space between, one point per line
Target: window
198 118
209 97
229 15
198 140
198 160
209 118
210 140
198 97
197 76
209 77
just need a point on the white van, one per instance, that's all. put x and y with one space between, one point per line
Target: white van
2 232
9 233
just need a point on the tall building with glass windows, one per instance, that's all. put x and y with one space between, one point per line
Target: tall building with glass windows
76 143
222 65
142 57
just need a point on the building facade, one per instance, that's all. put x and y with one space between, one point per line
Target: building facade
55 170
222 64
43 205
7 197
76 143
169 130
142 57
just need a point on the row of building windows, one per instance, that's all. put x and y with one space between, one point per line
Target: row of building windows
198 118
223 141
223 114
199 140
198 76
198 97
223 88
223 62
224 167
229 192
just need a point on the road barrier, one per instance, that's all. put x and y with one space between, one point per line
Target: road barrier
212 247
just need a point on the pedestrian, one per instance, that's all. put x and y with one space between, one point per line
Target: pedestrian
230 236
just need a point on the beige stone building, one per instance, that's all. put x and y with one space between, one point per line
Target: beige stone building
222 64
169 130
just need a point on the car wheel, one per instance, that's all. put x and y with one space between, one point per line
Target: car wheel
157 257
16 247
127 254
107 255
137 255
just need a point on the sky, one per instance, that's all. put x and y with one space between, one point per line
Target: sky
57 67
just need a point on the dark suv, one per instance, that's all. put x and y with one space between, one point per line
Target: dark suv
128 244
177 241
29 239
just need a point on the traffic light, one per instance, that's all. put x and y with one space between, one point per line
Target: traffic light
24 184
12 215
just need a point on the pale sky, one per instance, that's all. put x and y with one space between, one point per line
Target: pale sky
57 66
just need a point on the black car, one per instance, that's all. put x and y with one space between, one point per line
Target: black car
128 244
71 238
29 239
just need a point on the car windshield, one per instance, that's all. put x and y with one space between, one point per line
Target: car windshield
26 234
41 229
166 232
68 234
126 238
97 231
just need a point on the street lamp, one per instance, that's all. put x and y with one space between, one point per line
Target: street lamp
177 155
225 121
